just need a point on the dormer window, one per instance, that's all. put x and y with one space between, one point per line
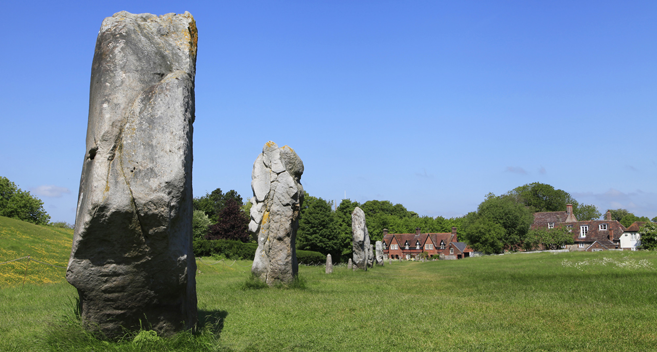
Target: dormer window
406 245
603 226
385 246
442 245
583 230
417 245
550 225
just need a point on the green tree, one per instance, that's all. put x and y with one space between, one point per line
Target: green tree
551 238
585 212
318 230
513 217
654 219
618 214
212 203
542 197
485 235
648 234
630 218
200 224
19 204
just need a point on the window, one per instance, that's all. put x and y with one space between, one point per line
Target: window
583 230
406 245
417 245
550 225
581 245
442 245
385 246
394 246
451 251
428 246
603 226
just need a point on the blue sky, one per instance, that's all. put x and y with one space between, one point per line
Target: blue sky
425 103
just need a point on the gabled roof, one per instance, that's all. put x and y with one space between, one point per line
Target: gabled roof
402 238
460 245
636 226
542 219
613 232
603 243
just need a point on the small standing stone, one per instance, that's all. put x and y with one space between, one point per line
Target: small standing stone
379 252
329 264
350 264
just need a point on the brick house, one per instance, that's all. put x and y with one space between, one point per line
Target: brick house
411 245
590 235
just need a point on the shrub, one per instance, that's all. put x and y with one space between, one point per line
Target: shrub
229 248
310 257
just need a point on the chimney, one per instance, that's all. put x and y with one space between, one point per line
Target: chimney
454 235
570 216
608 216
385 232
417 231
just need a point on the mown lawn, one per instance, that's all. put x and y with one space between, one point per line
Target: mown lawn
521 302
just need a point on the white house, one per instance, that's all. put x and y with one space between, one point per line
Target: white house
631 239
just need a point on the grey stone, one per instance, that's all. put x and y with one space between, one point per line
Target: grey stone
379 253
329 264
360 239
275 213
132 259
350 264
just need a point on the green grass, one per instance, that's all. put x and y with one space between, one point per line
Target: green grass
520 302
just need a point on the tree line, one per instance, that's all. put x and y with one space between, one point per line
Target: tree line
499 223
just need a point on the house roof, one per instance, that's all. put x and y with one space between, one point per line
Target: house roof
412 238
542 219
461 246
612 233
636 226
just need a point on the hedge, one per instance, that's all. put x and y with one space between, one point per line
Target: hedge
239 250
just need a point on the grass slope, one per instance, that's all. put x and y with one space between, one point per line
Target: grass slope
519 302
46 244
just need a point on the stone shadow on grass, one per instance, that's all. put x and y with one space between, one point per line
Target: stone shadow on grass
212 319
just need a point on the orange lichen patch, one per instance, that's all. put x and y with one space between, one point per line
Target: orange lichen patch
290 148
265 218
270 144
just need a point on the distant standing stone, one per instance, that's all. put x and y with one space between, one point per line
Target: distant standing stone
132 260
329 264
350 264
379 252
277 198
360 239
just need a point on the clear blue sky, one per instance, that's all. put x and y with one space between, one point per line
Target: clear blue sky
429 104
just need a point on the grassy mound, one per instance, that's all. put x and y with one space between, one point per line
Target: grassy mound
44 244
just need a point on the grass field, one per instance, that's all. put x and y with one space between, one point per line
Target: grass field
605 301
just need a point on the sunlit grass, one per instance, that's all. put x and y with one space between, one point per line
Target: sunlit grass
521 302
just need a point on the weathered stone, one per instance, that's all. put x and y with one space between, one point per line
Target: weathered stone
350 264
132 259
275 213
361 239
379 253
329 264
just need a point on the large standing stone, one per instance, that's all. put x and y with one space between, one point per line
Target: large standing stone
277 198
132 260
350 264
329 264
379 253
361 239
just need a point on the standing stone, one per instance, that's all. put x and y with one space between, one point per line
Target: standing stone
277 198
370 252
379 253
361 239
329 264
132 260
390 261
350 264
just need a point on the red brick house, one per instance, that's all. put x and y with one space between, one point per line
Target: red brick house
411 245
590 235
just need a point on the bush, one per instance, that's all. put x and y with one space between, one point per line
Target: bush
310 257
18 204
229 248
61 225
